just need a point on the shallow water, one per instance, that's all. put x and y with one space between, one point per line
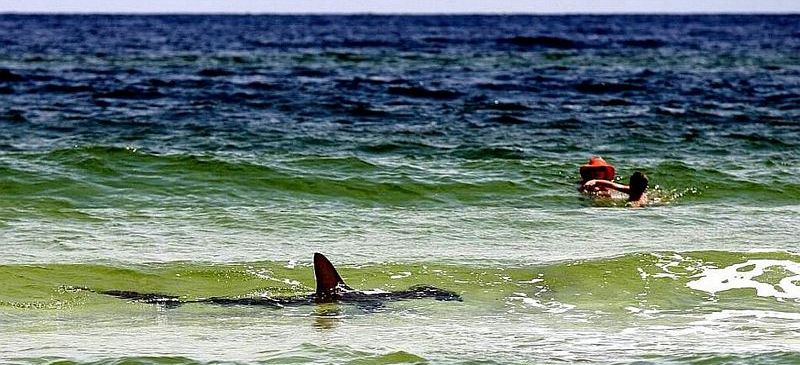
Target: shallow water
211 156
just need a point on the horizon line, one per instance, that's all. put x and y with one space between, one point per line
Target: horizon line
467 13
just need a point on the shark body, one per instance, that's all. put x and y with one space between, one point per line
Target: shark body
330 288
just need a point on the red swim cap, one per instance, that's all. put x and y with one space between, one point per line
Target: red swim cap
597 168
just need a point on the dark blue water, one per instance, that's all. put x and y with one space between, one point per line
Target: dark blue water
456 85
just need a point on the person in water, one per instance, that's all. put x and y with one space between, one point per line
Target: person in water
636 188
596 169
597 179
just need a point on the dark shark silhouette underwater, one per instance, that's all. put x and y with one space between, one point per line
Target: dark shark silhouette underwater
330 289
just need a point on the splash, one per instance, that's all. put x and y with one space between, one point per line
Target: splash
746 275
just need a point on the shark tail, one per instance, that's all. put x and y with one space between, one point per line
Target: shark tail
329 282
166 300
152 298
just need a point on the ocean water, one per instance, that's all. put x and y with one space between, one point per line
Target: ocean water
208 156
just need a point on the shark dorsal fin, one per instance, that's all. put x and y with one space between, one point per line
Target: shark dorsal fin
328 279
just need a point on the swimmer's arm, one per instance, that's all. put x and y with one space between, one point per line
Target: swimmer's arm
608 184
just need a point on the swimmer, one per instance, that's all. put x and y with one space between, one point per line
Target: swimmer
636 190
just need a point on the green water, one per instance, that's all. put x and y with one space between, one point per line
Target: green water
94 176
545 274
654 280
629 298
213 155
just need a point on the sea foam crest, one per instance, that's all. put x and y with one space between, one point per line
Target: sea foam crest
744 275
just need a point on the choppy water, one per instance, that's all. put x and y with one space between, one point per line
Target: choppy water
212 155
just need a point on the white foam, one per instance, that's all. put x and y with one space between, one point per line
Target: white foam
266 275
374 291
667 262
526 300
401 275
549 307
752 313
640 311
714 280
557 307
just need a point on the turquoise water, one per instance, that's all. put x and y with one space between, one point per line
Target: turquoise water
212 156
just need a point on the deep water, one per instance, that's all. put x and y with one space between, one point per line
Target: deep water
212 155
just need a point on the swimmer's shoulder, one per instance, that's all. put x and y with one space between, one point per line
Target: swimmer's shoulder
641 202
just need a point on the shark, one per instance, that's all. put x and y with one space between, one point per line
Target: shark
330 288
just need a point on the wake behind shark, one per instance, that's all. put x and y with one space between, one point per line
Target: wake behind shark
331 288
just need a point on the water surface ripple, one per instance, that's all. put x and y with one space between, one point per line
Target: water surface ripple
212 155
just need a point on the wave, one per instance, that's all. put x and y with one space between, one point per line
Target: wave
480 153
769 358
131 92
700 282
605 87
678 297
422 92
306 353
313 354
643 43
615 102
215 72
358 109
14 116
507 119
358 81
462 175
7 75
116 176
496 105
311 72
66 89
541 41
